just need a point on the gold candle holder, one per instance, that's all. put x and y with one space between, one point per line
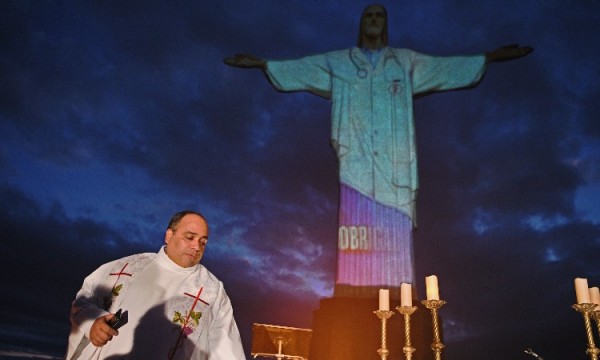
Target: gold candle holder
434 306
586 310
384 315
596 316
407 311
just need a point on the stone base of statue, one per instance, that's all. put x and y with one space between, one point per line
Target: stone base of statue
344 328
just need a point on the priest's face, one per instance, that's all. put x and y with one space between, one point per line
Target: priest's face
186 242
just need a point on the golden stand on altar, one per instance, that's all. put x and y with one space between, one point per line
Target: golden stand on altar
407 311
384 315
280 342
434 306
587 311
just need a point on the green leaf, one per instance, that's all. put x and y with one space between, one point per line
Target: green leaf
195 315
177 318
117 289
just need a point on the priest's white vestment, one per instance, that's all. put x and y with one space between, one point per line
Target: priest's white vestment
172 311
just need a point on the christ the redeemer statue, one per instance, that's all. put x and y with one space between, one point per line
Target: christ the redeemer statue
371 87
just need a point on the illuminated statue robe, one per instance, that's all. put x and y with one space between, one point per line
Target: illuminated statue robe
162 303
373 134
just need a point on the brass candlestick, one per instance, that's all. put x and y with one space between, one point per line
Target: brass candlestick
437 345
383 315
586 310
407 311
596 316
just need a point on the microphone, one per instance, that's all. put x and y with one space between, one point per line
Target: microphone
532 353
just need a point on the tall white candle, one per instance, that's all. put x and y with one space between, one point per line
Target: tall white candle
431 287
384 299
405 294
581 290
595 295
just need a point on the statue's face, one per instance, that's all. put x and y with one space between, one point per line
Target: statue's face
373 21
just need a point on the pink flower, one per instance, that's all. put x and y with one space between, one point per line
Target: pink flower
187 331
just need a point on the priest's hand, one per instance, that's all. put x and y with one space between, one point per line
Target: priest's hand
101 332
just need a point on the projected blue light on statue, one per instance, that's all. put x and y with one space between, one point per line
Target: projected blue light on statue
371 87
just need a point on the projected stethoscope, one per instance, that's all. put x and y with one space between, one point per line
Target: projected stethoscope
363 67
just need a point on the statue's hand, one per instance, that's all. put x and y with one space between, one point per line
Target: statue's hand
245 61
509 52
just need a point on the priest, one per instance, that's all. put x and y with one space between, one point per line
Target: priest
163 305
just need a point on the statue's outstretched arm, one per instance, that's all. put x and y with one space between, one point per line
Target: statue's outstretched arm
508 52
245 61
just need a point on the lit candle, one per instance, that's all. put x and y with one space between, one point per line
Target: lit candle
431 287
595 295
384 299
581 290
405 294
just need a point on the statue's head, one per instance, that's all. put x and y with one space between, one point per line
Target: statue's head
373 25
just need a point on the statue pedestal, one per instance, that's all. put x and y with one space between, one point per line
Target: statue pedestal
347 329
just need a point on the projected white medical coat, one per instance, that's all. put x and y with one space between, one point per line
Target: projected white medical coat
372 126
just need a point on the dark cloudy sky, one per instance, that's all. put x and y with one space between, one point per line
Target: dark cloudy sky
116 114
